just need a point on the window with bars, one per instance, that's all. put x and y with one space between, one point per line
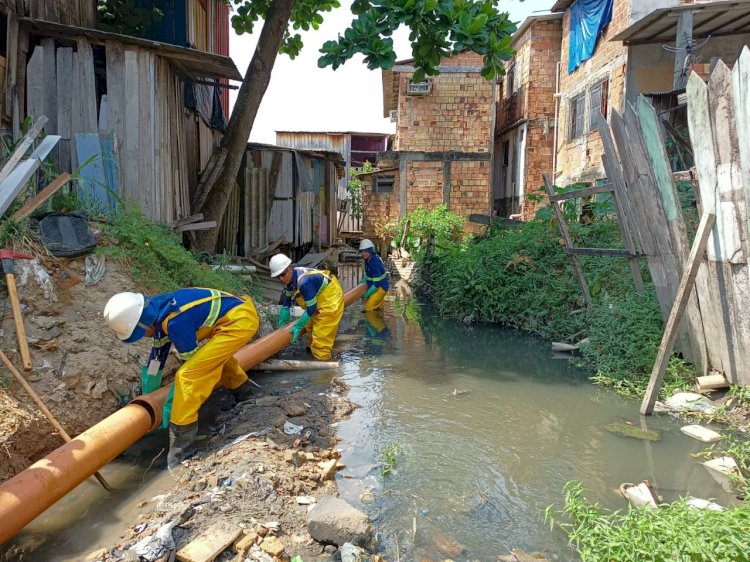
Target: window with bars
577 115
598 103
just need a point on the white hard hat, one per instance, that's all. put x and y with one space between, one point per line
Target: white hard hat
366 245
123 312
278 264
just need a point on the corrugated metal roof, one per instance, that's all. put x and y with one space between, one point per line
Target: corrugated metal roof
710 19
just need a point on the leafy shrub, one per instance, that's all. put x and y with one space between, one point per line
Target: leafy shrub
672 532
440 223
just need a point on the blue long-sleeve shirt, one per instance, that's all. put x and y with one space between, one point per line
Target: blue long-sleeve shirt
183 325
307 283
375 273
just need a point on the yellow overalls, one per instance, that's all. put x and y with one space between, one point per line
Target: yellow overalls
214 361
325 322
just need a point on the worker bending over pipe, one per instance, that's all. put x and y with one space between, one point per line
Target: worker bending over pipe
184 318
375 276
320 294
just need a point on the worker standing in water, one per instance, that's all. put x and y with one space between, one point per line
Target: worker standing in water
375 276
320 294
184 318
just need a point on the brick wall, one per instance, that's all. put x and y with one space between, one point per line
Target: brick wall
538 53
579 159
456 116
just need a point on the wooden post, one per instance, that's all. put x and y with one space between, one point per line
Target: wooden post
678 308
568 242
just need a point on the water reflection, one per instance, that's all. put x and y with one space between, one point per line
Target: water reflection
489 426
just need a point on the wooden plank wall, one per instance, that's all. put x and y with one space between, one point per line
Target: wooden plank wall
80 13
715 333
720 132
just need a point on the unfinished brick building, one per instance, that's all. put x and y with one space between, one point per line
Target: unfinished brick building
635 55
525 128
443 148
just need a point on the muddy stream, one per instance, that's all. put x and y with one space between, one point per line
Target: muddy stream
476 428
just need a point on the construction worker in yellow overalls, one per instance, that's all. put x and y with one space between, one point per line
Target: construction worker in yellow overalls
184 318
320 294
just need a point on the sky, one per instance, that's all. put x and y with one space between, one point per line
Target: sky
303 97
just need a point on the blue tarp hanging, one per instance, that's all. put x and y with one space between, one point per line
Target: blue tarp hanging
588 18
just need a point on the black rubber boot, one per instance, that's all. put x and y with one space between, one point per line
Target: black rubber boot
243 392
181 443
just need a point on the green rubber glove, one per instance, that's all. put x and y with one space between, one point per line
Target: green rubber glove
363 280
299 325
284 316
369 292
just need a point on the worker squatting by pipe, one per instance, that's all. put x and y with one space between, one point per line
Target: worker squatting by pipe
31 492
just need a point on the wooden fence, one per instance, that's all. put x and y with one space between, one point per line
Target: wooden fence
715 333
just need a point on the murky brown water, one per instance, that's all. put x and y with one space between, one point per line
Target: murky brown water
488 426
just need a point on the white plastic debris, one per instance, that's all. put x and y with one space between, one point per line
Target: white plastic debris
639 495
725 471
95 269
292 429
689 402
32 269
699 503
701 433
305 500
156 545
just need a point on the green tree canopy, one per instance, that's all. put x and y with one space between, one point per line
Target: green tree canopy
438 29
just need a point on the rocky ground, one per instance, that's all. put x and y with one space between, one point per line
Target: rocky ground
256 473
80 370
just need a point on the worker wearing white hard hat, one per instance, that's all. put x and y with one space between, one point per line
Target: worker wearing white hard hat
184 318
320 294
376 276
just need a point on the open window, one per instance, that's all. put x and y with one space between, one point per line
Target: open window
598 103
577 115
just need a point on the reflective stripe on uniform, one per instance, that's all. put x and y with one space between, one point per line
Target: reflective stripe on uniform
374 279
188 354
213 313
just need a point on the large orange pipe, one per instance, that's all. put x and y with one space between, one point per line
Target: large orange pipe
31 492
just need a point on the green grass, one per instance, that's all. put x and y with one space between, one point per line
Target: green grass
672 533
159 262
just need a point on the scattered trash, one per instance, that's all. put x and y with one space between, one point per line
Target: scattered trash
32 269
292 429
209 544
424 511
629 430
640 495
701 433
725 471
66 235
95 269
711 382
261 433
367 497
305 500
351 553
699 503
157 545
690 402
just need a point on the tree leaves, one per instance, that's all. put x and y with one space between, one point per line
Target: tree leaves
439 28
